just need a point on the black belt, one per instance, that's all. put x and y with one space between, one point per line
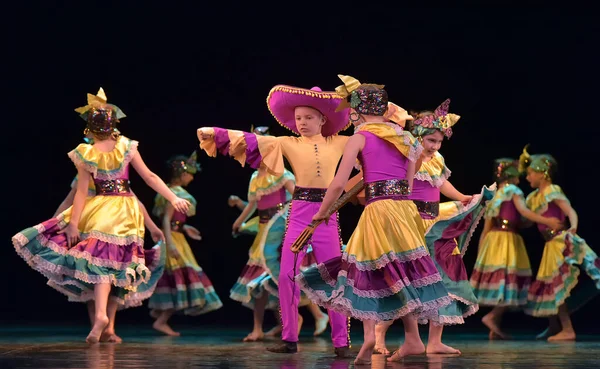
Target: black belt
309 194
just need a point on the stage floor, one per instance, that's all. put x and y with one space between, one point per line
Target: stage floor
49 347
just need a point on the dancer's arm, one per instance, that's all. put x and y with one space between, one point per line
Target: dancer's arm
155 232
566 207
246 213
487 226
448 190
166 225
237 202
68 201
290 186
158 185
519 202
72 229
353 147
410 173
245 147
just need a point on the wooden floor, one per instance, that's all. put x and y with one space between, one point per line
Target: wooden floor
48 347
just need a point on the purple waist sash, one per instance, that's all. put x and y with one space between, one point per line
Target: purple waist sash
264 215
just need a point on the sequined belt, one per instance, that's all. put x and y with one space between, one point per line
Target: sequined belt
309 194
431 208
264 215
177 226
501 224
548 234
390 188
112 187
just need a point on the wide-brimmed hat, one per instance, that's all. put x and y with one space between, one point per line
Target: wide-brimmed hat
283 100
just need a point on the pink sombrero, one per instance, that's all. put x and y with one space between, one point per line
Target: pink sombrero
282 101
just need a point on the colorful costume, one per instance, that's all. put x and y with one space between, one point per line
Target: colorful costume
449 225
385 272
155 261
263 262
444 224
111 224
502 272
314 161
184 286
564 252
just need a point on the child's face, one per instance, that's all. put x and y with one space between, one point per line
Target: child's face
186 178
534 178
432 143
309 121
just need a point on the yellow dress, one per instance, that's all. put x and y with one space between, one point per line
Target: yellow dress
111 230
564 255
183 287
502 272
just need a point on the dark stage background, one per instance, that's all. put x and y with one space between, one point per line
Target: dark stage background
516 76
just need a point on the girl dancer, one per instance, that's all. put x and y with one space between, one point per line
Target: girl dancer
155 256
184 286
502 273
313 157
110 256
385 273
564 251
443 223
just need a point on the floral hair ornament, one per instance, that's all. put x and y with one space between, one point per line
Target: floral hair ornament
506 168
541 163
440 120
190 165
100 116
365 98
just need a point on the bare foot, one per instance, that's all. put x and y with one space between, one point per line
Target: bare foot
563 335
364 355
321 325
100 322
274 332
493 336
489 322
164 328
110 337
440 348
254 336
359 361
381 351
300 321
547 333
408 348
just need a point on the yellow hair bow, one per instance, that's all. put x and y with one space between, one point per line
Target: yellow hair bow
397 114
98 101
524 160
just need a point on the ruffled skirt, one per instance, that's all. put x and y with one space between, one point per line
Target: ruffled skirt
385 272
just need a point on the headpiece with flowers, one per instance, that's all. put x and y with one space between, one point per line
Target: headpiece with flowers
505 168
181 164
440 120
